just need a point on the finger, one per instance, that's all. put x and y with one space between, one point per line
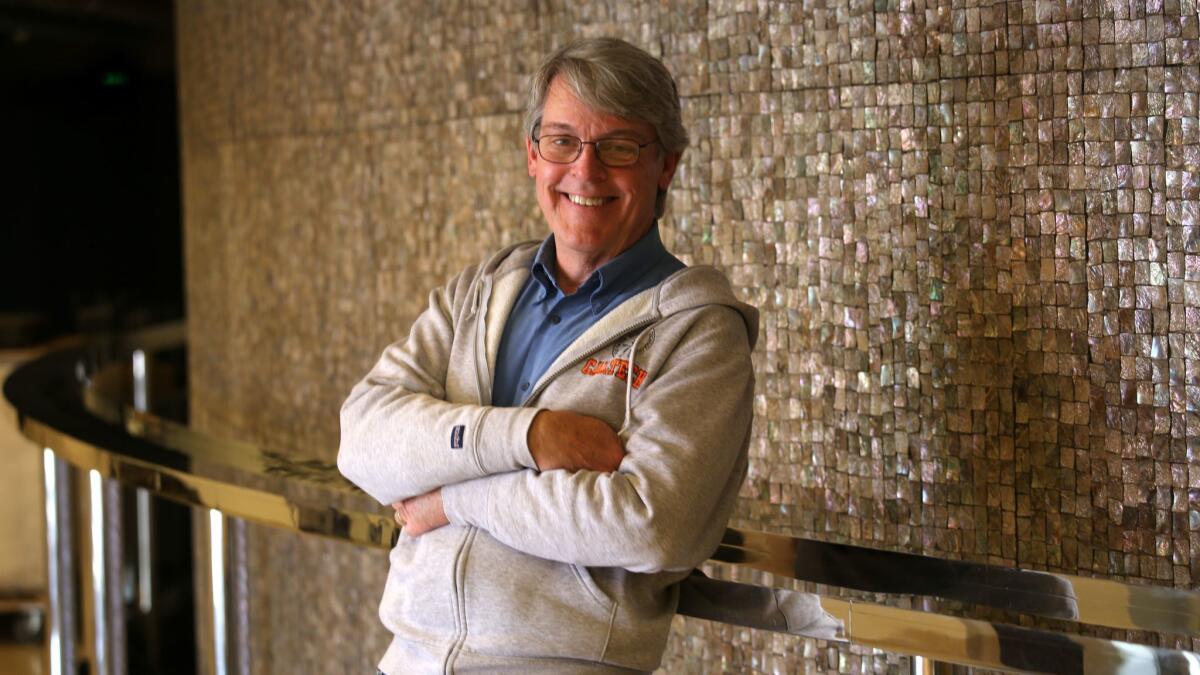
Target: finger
399 519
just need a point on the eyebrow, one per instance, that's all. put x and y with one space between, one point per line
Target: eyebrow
623 132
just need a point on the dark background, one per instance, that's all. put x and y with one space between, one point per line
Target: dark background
90 207
90 230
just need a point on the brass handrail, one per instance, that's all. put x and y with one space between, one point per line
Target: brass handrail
240 479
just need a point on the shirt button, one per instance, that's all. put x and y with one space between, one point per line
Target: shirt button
554 319
524 386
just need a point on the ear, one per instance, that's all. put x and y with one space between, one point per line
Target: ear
670 164
531 156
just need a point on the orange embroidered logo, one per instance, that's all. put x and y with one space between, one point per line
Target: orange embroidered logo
618 368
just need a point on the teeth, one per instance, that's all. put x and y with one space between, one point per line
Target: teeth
586 201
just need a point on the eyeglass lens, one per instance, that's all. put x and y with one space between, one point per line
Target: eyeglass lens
566 149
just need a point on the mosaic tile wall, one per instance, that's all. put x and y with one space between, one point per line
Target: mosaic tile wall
973 229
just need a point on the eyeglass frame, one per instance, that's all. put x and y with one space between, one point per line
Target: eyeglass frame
537 143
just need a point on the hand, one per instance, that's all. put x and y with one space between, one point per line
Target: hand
421 514
560 439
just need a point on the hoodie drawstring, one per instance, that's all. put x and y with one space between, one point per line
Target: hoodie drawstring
629 375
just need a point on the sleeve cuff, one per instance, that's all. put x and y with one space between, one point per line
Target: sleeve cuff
502 442
467 503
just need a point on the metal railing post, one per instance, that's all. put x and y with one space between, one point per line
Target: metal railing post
58 642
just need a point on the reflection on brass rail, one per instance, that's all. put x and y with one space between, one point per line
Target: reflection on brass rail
993 645
182 486
196 469
1060 596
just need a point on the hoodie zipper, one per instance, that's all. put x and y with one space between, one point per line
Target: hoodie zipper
483 377
482 380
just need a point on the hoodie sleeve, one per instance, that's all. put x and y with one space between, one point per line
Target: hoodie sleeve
401 438
668 504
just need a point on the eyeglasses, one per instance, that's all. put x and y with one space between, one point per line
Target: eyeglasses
613 152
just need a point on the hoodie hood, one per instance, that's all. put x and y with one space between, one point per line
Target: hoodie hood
702 286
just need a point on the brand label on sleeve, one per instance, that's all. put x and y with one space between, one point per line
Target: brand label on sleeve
456 436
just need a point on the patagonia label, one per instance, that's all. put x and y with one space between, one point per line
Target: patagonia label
456 436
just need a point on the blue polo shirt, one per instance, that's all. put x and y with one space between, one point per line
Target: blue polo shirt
544 320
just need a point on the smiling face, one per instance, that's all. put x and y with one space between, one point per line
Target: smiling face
595 211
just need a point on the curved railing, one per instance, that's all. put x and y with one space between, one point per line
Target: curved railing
117 411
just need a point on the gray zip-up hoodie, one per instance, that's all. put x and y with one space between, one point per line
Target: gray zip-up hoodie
568 567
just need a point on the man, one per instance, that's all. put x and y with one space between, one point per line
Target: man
564 432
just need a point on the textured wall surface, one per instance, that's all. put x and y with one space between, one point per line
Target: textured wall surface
973 229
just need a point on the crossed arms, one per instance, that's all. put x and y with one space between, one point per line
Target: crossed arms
555 483
558 440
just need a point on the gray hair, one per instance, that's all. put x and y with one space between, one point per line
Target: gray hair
616 78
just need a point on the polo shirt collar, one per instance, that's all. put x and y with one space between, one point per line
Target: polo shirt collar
543 267
606 283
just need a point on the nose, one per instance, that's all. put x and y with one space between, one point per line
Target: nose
588 165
